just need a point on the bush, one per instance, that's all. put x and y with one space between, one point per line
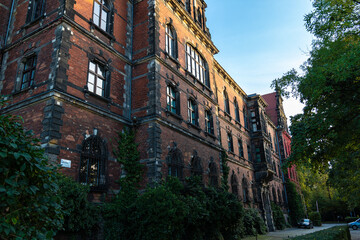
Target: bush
334 233
278 217
351 219
29 201
80 215
315 217
296 207
253 223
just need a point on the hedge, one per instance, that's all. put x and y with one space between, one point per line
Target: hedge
351 219
315 217
334 233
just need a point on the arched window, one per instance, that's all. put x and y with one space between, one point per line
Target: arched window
93 163
226 102
213 175
274 194
234 184
102 15
237 111
245 117
279 196
230 142
245 189
209 124
193 115
241 148
175 162
171 41
196 167
196 65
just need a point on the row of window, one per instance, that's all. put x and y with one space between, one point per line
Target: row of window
236 109
173 106
195 63
245 188
240 146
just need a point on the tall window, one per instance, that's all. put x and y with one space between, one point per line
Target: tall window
245 117
237 112
230 142
96 78
196 167
92 163
170 41
209 122
226 102
175 162
101 14
188 6
234 185
35 10
241 149
28 74
258 154
245 189
274 194
172 100
196 65
249 153
192 112
214 178
199 16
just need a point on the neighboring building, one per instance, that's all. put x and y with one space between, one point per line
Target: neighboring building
78 72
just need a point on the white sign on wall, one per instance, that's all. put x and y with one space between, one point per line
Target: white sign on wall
65 163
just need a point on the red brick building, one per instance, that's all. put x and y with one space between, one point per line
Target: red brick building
78 72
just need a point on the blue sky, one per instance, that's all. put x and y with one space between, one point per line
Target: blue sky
260 40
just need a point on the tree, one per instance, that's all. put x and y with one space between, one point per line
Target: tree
29 204
327 134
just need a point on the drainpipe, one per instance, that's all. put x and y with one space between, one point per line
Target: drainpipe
282 174
10 19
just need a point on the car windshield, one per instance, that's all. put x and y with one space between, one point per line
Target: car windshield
306 220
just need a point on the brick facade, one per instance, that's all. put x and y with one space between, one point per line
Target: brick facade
145 64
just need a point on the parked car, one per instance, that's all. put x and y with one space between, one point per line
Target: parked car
305 223
354 225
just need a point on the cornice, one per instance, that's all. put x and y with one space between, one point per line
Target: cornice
193 27
228 78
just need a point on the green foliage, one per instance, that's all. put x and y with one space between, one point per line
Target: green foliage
278 217
80 215
225 170
296 208
315 217
351 219
29 202
329 128
127 154
253 223
334 233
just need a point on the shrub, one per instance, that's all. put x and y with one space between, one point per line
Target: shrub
29 201
334 233
296 207
278 217
253 223
80 215
351 219
315 217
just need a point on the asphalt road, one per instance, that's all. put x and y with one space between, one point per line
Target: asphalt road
355 234
293 232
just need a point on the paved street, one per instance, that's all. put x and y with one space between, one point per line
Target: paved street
293 232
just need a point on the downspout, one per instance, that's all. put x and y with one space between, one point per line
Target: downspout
10 19
282 174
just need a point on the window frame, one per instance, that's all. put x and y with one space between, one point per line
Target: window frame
30 71
237 111
193 116
172 101
241 148
230 142
226 102
104 78
209 122
196 65
93 151
171 41
35 11
103 6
